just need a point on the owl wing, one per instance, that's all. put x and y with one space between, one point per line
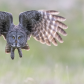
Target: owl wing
5 22
44 26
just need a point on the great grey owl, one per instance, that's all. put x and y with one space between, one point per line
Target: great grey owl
43 25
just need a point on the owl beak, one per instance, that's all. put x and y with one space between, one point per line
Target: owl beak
16 41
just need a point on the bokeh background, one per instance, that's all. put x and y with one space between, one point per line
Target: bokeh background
42 64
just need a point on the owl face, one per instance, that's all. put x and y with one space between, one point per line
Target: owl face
16 39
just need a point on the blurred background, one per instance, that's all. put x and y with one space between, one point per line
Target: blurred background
42 64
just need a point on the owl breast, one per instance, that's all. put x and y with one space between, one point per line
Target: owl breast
16 38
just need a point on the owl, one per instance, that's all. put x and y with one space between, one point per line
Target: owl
43 25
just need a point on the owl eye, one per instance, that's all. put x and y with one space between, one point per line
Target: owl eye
18 37
13 37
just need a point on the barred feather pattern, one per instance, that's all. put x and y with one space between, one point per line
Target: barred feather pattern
48 30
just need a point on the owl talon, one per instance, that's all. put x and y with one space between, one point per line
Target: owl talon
7 51
26 47
20 56
12 57
7 48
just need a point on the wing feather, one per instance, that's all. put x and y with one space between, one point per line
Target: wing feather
53 12
61 31
44 25
6 20
58 37
54 42
60 24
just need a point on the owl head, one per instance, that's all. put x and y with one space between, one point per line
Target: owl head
16 37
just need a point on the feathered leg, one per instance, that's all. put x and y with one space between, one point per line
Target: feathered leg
12 53
20 52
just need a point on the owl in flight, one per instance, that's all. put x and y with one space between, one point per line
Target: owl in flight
44 26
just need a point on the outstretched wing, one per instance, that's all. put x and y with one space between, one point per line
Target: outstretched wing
44 26
5 22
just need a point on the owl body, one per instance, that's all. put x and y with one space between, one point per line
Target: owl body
44 26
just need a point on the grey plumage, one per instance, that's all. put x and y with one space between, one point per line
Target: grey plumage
44 26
